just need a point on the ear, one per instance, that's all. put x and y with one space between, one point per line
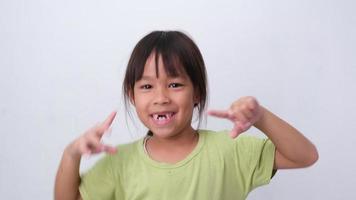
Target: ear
196 100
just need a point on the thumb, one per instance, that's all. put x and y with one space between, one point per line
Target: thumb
239 128
236 130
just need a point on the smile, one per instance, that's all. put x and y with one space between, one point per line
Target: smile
162 118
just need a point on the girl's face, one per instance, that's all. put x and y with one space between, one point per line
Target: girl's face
164 104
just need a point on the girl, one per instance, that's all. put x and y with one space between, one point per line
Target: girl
166 82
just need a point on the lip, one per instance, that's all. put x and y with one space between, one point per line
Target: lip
162 121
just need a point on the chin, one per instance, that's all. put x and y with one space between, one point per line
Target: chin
162 134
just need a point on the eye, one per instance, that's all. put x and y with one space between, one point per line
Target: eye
145 86
175 85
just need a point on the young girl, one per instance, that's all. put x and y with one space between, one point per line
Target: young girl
166 83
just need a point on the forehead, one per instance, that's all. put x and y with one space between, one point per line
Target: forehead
156 65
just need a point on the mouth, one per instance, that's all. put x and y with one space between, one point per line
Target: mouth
162 118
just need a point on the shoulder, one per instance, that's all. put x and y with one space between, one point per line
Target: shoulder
224 141
224 137
218 141
124 154
127 149
214 135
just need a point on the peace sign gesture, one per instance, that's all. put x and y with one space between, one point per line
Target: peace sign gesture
90 142
244 113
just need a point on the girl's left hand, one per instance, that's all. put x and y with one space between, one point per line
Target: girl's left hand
244 113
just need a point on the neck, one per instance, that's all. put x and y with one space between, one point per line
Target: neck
183 139
173 149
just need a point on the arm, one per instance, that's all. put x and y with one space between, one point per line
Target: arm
68 180
293 150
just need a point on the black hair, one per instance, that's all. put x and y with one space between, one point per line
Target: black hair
179 54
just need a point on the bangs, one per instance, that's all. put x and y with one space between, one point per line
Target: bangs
161 47
171 64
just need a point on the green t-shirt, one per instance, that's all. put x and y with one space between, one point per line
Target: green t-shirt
218 168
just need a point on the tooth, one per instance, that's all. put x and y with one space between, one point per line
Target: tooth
161 117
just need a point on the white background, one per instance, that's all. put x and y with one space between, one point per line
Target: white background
62 64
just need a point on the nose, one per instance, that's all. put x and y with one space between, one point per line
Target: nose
161 96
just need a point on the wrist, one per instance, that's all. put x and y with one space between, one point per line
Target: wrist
71 153
261 121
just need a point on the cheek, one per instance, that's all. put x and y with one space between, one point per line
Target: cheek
138 99
139 107
187 101
141 114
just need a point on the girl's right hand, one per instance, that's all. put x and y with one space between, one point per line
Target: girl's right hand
90 142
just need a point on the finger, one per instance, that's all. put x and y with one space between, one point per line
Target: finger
94 144
109 149
106 124
248 112
84 149
93 128
239 116
246 126
105 148
219 113
236 131
239 128
99 133
252 103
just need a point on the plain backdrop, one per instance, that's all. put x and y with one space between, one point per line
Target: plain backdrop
62 65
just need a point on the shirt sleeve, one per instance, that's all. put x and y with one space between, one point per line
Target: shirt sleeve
255 160
98 182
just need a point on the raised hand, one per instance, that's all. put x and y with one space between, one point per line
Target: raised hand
90 142
244 113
